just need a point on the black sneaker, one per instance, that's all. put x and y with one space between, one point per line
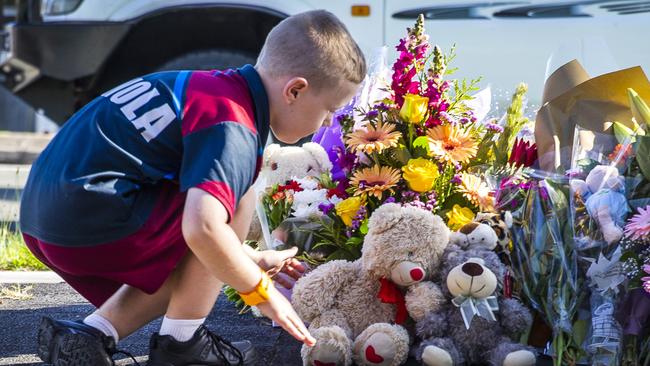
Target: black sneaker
74 343
204 348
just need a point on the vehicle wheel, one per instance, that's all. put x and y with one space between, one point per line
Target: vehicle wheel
209 60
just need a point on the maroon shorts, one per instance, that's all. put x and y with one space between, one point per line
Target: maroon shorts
143 260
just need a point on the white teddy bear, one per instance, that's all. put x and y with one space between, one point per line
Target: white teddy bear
282 163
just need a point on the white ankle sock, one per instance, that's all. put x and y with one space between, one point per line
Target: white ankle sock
180 329
104 325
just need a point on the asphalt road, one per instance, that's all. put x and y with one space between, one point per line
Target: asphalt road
19 320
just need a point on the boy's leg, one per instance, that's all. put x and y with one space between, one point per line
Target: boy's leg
188 293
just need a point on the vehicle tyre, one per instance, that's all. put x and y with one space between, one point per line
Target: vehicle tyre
209 60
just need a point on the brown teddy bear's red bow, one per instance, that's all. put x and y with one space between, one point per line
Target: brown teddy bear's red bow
389 293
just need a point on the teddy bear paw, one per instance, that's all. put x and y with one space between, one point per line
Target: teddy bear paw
520 358
436 356
326 355
378 350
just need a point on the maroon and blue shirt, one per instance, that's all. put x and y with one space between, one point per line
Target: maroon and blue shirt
98 179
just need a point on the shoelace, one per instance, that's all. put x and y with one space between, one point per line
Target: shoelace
223 345
116 351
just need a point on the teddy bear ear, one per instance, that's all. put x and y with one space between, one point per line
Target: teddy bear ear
319 154
269 152
385 217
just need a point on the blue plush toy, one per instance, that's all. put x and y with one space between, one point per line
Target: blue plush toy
604 193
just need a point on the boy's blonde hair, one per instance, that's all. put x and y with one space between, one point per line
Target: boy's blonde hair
314 45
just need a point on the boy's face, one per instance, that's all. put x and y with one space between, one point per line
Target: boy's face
302 109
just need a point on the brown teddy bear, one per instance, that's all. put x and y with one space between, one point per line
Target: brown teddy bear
356 309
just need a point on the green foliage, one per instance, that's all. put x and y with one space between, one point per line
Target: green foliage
331 236
14 254
643 155
276 210
515 121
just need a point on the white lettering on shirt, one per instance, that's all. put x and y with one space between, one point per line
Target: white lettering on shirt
134 94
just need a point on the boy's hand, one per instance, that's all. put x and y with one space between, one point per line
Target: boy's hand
278 308
277 262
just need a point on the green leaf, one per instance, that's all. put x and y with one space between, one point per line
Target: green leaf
364 227
586 165
643 154
402 156
354 241
422 142
622 132
580 328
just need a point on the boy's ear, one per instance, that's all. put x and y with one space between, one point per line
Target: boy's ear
294 87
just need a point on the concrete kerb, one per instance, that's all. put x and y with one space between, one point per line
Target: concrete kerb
20 277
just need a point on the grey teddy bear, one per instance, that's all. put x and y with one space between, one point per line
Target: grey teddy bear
468 275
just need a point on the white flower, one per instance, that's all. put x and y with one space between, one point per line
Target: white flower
307 183
335 199
307 197
304 211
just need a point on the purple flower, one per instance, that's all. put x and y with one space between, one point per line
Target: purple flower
343 160
372 114
326 207
543 193
390 199
358 219
456 179
494 127
381 107
341 117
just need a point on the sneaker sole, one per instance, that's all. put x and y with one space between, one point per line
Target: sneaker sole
45 340
67 349
252 359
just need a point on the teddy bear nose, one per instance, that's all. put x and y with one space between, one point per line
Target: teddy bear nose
417 274
472 269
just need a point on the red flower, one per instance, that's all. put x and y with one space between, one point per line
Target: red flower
523 154
336 192
292 185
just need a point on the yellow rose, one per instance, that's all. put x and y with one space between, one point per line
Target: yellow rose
459 216
348 208
420 174
414 108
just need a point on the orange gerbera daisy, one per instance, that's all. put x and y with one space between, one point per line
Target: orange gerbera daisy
373 138
476 191
451 144
375 180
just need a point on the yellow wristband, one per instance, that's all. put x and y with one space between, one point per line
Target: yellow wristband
260 292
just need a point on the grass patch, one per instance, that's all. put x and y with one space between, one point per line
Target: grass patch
14 254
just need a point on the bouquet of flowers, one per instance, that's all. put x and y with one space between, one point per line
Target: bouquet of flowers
608 177
423 145
546 265
572 242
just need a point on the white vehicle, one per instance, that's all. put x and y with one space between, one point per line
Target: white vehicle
58 54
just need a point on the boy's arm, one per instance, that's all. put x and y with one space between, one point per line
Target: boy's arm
269 259
219 249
